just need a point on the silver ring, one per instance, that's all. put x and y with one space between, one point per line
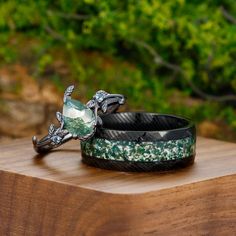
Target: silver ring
78 121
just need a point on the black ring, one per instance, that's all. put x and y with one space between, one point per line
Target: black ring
135 141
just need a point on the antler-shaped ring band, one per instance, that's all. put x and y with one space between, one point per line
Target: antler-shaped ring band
78 121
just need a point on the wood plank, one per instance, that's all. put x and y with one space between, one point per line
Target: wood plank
58 195
214 158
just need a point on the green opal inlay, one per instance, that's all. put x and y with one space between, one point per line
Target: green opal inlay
144 151
78 119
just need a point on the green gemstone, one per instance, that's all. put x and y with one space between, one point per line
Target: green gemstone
78 119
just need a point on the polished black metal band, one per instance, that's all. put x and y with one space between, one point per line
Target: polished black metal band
141 142
143 126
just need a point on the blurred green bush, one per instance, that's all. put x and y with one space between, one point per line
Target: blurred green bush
147 50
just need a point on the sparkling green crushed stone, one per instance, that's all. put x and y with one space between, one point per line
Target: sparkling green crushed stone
145 151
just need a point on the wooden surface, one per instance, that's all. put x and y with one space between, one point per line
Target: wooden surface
58 195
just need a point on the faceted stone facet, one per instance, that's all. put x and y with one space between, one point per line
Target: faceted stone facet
78 119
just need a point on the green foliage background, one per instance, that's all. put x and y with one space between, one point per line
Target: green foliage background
148 50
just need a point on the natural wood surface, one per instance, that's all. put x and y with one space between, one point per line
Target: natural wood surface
214 159
58 195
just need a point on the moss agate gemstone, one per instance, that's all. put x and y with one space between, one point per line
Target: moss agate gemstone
78 119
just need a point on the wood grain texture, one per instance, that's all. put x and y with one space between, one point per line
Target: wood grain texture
58 195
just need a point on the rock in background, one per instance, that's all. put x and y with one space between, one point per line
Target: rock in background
26 106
